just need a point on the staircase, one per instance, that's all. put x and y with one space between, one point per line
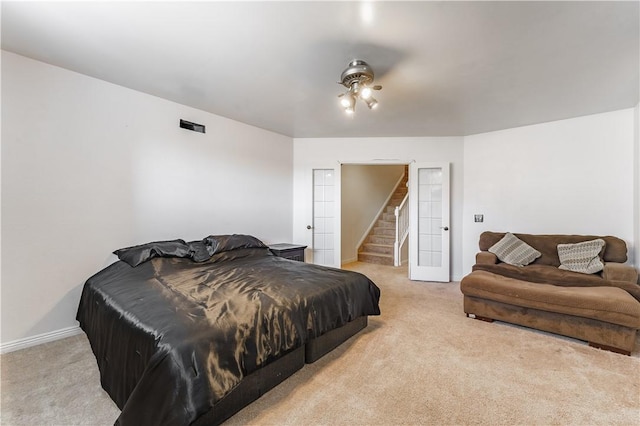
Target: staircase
378 246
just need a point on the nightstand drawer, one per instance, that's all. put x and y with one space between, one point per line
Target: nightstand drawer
288 251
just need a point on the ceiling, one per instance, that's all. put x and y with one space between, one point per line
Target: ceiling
447 68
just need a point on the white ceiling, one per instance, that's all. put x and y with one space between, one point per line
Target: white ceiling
447 68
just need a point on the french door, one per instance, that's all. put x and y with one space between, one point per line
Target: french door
429 222
325 226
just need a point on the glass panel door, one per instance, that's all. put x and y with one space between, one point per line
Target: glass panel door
429 222
430 217
324 217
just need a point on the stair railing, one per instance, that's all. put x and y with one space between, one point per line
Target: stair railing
402 229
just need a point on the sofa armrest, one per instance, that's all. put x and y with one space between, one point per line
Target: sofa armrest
487 258
619 272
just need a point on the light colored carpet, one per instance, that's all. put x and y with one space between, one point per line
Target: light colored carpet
421 362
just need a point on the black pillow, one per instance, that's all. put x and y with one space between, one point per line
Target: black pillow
198 251
136 255
219 243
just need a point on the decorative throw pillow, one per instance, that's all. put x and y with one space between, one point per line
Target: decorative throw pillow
512 250
136 255
582 257
198 251
220 243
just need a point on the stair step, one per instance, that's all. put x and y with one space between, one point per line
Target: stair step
381 239
377 248
389 216
384 231
377 258
386 224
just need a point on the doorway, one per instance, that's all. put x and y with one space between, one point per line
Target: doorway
325 247
366 189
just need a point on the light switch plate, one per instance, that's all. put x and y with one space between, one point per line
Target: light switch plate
478 218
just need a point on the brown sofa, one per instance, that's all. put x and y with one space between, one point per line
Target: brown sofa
601 308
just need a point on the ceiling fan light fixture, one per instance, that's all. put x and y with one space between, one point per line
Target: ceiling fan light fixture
371 103
358 79
366 93
348 102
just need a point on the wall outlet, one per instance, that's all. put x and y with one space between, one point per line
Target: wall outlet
478 218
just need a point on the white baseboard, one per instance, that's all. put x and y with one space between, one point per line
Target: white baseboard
39 339
350 260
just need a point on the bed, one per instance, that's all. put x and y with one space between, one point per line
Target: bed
190 333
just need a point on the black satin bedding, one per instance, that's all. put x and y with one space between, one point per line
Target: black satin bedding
172 336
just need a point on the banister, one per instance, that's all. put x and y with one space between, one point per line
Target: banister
402 229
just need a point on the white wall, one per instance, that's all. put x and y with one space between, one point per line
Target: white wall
572 176
89 167
365 188
318 152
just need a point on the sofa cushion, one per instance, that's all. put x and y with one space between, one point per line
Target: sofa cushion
510 249
615 248
545 274
619 272
608 304
582 257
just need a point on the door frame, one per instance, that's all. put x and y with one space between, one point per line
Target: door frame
308 201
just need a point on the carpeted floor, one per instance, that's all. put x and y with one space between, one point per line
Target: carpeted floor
421 362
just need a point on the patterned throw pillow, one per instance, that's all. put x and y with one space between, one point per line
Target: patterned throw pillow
581 257
512 250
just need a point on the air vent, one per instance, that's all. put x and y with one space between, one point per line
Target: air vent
192 126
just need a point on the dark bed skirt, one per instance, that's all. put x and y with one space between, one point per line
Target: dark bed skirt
324 344
253 387
261 381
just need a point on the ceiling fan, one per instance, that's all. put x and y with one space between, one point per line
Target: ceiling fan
358 79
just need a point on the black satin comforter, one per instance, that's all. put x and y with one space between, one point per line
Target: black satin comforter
172 336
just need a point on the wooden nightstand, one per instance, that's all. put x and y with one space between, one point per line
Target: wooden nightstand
288 251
